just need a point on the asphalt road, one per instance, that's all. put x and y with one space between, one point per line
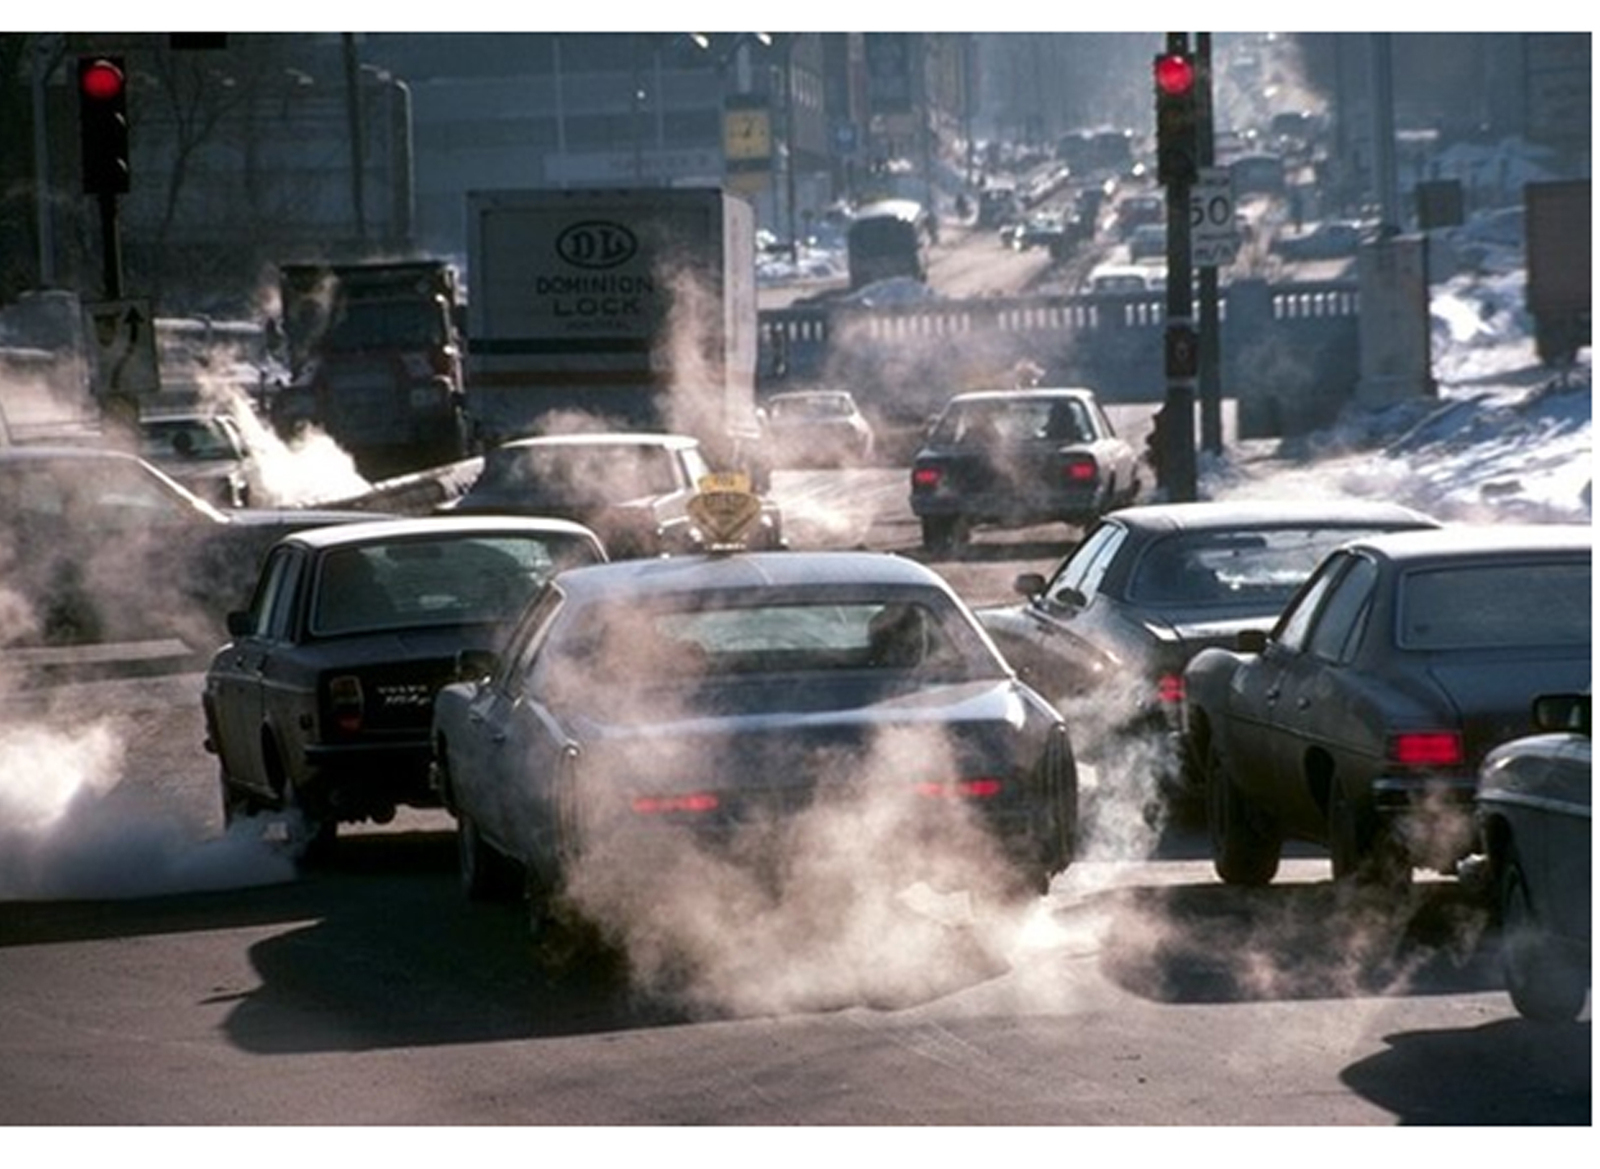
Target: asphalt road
156 972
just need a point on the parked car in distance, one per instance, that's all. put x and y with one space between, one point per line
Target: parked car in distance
1107 635
101 546
808 428
203 450
632 489
1360 721
322 700
1015 458
1535 820
1147 242
705 702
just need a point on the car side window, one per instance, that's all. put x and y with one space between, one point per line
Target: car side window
1085 567
522 650
1338 630
272 606
1294 626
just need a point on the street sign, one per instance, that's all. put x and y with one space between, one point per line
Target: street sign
1214 237
122 337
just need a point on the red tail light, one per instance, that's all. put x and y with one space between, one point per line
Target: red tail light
926 477
1080 470
1169 689
984 787
1427 749
698 803
344 693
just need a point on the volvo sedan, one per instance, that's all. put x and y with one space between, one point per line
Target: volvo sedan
321 703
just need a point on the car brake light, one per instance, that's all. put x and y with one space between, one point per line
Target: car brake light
1427 749
1080 470
696 802
979 788
1169 689
926 476
345 694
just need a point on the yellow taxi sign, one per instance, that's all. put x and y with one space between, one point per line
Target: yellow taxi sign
725 509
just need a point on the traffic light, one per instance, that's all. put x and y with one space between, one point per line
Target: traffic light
1177 141
103 121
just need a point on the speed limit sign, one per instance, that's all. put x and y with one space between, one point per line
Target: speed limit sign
1213 229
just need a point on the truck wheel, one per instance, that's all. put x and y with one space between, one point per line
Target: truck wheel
1243 851
1543 987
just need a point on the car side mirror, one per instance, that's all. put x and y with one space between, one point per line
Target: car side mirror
1029 584
1562 712
238 623
1251 641
474 665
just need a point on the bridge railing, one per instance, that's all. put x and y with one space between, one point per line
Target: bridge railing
1289 352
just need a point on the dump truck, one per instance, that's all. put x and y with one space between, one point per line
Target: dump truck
375 360
630 309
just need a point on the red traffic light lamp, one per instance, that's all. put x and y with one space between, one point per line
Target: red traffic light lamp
1175 74
101 79
1177 112
103 124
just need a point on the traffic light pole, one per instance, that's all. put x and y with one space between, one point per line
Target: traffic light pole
1178 473
1210 383
110 247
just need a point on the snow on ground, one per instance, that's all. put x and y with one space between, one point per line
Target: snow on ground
1505 440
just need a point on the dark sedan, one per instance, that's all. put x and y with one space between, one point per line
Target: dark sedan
632 489
1107 634
100 546
1360 721
725 703
1535 818
321 702
1015 458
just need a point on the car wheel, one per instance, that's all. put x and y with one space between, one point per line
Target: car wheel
237 803
313 830
943 534
486 875
1243 850
1543 986
1363 851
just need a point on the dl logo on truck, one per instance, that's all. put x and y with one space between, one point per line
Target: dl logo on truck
594 243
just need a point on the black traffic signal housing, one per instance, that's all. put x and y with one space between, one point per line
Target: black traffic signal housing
1177 118
103 123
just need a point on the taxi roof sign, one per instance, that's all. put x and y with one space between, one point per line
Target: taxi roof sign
725 509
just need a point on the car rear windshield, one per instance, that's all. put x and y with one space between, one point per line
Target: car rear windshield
1259 567
419 583
670 646
1496 606
984 423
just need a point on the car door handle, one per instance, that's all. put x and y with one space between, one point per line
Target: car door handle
1302 704
1274 694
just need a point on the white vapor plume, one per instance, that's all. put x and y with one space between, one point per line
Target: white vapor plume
70 828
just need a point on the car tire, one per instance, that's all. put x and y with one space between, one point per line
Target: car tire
943 534
313 830
1243 850
237 804
1362 851
486 875
1544 987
